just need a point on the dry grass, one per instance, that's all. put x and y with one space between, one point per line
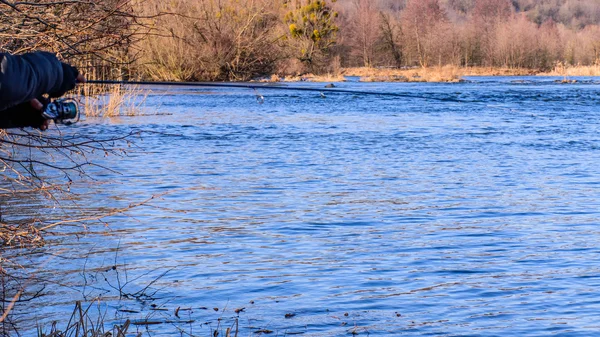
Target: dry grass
565 70
454 74
90 320
496 71
113 101
85 323
309 78
432 74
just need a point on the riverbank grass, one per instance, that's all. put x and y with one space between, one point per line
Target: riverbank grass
452 74
443 74
113 100
431 74
566 70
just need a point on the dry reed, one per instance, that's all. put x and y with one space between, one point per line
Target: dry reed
113 101
85 323
566 70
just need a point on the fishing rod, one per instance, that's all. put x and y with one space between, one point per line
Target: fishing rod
255 87
65 111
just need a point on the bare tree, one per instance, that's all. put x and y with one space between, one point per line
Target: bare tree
590 38
364 29
424 21
487 15
85 32
391 35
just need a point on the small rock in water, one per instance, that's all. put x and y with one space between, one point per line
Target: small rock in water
330 85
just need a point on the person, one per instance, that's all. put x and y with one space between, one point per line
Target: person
27 82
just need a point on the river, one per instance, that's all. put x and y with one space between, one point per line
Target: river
469 209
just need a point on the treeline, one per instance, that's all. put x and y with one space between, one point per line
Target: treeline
533 34
240 40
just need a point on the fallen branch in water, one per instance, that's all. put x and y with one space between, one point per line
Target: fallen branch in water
97 217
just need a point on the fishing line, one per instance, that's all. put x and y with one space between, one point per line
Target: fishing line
256 87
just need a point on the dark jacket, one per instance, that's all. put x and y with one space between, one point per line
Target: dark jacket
28 76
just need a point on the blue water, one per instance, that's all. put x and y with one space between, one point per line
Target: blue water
471 210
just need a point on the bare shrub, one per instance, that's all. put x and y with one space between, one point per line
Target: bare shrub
206 40
87 33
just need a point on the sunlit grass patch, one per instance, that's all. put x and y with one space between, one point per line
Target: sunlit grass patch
560 69
430 74
316 78
496 71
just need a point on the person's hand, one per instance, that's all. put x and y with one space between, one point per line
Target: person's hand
37 105
71 77
71 82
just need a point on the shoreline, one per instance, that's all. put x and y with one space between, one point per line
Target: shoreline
445 74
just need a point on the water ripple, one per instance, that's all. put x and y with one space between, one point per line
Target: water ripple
366 214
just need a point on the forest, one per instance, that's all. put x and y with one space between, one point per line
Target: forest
216 40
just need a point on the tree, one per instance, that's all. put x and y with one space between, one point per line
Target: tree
88 33
391 34
492 10
487 15
515 43
312 31
461 6
590 45
550 42
364 29
424 22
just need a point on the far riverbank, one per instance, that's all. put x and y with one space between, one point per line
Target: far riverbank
445 74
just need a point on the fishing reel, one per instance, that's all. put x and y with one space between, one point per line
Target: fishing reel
62 111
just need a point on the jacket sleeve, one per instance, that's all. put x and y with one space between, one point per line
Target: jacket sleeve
28 76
